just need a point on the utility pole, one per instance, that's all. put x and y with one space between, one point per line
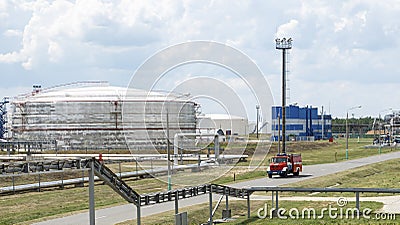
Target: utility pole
279 133
283 44
168 154
323 122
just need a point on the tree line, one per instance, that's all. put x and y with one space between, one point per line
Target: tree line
359 125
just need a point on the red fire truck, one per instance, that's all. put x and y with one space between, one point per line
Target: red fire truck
284 164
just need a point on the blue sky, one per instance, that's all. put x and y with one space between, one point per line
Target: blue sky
345 53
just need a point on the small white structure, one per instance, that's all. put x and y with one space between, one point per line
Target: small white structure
229 124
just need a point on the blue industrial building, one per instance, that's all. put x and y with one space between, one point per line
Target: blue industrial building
301 123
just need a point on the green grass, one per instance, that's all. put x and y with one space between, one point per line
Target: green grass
200 213
25 207
20 208
321 152
377 175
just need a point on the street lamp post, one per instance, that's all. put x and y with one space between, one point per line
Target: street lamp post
347 130
283 44
257 108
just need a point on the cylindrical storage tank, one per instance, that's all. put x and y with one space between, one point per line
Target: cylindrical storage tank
99 117
147 122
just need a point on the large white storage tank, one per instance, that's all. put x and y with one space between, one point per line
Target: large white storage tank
229 124
98 116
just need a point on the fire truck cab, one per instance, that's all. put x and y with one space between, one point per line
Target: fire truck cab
284 164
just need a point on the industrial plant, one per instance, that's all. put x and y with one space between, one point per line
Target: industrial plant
90 115
302 123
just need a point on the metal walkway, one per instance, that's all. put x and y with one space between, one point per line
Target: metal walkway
113 180
119 186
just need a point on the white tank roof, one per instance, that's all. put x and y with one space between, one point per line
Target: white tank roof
98 93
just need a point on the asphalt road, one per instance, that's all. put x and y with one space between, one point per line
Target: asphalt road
122 213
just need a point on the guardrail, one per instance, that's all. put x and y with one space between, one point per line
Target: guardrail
357 192
296 189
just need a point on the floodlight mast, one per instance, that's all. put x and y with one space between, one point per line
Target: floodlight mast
283 44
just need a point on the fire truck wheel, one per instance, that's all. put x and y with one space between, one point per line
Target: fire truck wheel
270 175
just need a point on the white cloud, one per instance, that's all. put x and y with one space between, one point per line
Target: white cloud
287 29
11 57
338 96
12 33
341 24
55 51
3 9
345 44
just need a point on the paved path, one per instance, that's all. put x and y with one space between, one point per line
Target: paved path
122 213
